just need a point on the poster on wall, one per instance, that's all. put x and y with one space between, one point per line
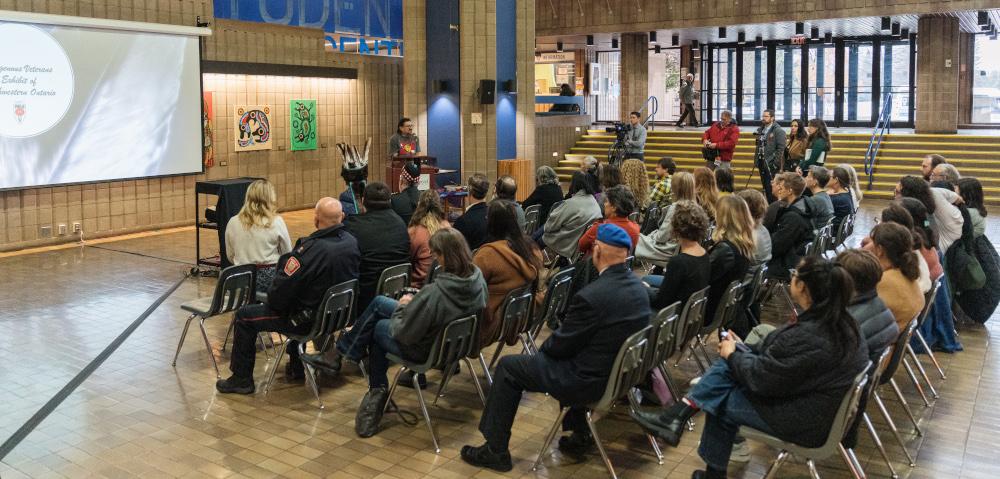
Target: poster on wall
207 128
253 127
595 78
303 130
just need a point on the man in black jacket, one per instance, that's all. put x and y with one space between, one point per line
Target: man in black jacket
472 224
574 364
382 239
792 227
325 258
404 203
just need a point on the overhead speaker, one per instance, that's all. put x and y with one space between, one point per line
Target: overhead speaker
741 38
983 18
675 40
760 42
800 28
886 24
487 92
904 33
895 29
722 32
695 45
652 36
614 43
590 40
656 49
814 33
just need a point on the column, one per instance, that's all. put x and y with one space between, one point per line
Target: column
634 73
938 59
415 66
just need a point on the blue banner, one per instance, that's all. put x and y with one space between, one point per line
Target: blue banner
365 18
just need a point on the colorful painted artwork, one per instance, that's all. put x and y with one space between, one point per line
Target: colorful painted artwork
303 130
253 128
208 129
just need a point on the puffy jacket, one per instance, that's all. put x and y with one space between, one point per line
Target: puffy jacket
725 138
878 326
791 230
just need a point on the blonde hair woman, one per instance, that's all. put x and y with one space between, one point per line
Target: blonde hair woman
427 219
733 251
258 235
706 190
855 187
660 245
635 177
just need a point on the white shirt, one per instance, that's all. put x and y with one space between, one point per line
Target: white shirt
947 220
256 245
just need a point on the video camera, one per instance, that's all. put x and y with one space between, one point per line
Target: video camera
619 129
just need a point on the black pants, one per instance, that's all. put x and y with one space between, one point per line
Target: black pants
514 376
638 156
257 318
765 179
687 112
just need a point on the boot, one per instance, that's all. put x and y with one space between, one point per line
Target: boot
328 362
235 385
708 473
485 456
370 412
668 425
577 444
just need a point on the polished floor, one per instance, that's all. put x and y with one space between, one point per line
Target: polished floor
136 416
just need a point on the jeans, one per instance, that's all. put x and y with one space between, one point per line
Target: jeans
355 344
939 328
653 280
726 409
253 319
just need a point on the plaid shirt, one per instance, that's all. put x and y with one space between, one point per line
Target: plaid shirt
660 196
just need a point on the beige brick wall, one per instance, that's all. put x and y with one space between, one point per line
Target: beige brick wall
350 111
526 140
415 65
634 73
477 39
937 81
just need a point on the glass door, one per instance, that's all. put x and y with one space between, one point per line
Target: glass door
821 95
723 81
788 82
896 77
859 59
754 90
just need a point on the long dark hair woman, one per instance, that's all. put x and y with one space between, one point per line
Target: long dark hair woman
818 145
798 141
971 191
893 246
789 385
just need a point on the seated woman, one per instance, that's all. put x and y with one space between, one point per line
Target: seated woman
547 193
509 260
855 186
619 203
659 246
724 181
409 327
790 385
688 271
258 235
761 237
896 213
706 191
732 253
636 178
570 219
980 304
427 219
840 194
893 246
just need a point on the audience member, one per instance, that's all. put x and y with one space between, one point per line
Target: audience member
506 189
940 203
574 363
930 162
472 224
325 258
569 220
618 204
724 181
761 237
971 191
547 193
660 196
855 187
608 176
791 229
798 141
382 239
404 202
789 386
719 142
840 195
427 219
896 213
946 172
660 245
820 204
352 196
893 246
706 191
635 178
589 166
258 235
690 269
819 145
509 260
732 251
408 328
979 305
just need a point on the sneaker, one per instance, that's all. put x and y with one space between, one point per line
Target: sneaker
483 456
577 444
741 452
369 415
235 385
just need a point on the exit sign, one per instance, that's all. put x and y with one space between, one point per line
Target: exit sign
799 40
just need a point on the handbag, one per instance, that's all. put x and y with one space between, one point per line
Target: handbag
963 268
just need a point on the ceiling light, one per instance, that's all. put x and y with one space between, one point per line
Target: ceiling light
895 29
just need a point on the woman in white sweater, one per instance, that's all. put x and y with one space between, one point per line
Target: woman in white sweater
257 235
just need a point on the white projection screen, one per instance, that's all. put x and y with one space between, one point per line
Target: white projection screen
84 100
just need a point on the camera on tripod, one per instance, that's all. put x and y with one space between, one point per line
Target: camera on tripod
619 129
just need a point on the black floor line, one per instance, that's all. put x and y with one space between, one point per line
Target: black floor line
144 255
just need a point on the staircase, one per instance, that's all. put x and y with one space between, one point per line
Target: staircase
900 154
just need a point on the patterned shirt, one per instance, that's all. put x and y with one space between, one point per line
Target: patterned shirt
660 196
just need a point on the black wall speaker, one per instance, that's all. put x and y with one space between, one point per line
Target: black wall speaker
510 86
487 92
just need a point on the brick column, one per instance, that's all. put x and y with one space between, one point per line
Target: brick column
938 59
478 62
634 73
415 66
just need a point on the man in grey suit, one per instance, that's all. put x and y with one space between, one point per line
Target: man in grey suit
770 150
687 99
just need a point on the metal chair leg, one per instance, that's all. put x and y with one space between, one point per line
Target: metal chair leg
427 416
600 447
915 381
855 469
893 429
878 444
229 333
857 464
930 353
274 369
392 387
445 378
922 371
486 369
475 380
778 461
549 437
906 406
812 469
496 354
208 346
181 341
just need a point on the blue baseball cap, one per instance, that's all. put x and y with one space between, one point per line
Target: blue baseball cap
613 235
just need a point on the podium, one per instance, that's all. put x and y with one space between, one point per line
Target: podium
428 172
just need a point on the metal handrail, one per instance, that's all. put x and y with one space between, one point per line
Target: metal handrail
653 106
882 127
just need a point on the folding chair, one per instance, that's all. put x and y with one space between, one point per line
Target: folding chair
554 304
515 317
531 215
691 320
392 280
895 359
724 313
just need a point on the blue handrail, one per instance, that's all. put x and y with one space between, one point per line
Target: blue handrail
882 127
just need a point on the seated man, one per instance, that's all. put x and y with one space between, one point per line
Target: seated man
574 364
325 258
791 229
472 224
405 202
382 239
506 189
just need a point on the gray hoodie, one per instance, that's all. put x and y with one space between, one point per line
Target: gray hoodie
417 325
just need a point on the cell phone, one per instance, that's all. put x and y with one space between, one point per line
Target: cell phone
408 290
742 347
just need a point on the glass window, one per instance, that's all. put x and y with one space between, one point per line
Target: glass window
754 83
822 83
858 81
986 81
664 83
723 80
607 101
788 82
896 77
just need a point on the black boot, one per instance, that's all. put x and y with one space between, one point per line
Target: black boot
406 380
370 412
484 456
294 371
235 385
577 444
328 362
668 425
708 473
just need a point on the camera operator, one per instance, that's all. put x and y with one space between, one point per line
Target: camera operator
635 137
770 150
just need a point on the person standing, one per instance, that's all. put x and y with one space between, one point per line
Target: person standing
795 151
819 145
404 143
719 141
687 101
635 138
770 151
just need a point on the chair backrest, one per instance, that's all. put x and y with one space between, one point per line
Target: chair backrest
809 248
629 261
531 218
432 274
633 216
457 340
662 335
824 237
336 309
843 231
848 409
756 275
392 280
234 289
627 371
877 370
731 299
556 299
928 302
897 351
651 221
691 317
515 312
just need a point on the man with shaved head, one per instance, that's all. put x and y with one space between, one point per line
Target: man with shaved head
323 259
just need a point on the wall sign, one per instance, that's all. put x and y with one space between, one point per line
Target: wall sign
361 18
303 121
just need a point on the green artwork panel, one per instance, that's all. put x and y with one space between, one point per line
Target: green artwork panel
303 130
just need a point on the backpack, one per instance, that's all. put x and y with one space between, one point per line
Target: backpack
960 262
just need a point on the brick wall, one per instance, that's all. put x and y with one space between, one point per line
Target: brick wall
938 60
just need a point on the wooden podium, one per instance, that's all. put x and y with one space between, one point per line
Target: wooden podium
428 172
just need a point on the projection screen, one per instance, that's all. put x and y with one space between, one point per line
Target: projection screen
84 100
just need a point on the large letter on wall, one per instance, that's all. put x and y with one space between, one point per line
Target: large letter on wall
266 15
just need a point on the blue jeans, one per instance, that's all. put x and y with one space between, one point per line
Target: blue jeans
653 280
939 328
726 409
378 362
355 344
